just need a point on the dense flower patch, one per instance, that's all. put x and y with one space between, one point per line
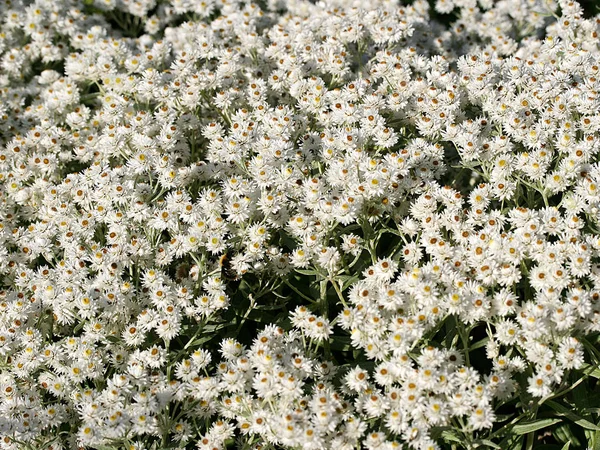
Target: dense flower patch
290 224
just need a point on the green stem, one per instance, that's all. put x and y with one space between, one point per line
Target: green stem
293 288
464 337
339 292
323 297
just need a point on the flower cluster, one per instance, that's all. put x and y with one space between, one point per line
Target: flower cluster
293 224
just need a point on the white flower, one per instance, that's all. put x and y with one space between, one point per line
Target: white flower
539 386
481 417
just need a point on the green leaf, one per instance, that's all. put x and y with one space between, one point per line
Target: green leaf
448 435
594 441
593 352
512 441
201 341
347 281
566 446
482 343
310 272
274 307
590 370
569 414
529 427
490 444
214 327
503 417
563 433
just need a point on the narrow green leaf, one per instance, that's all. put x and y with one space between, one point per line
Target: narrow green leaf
566 446
529 427
214 327
564 411
448 435
268 307
490 444
594 441
512 441
590 370
436 432
348 282
593 352
503 417
563 433
306 271
482 343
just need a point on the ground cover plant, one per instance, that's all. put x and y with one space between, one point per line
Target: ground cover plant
299 225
